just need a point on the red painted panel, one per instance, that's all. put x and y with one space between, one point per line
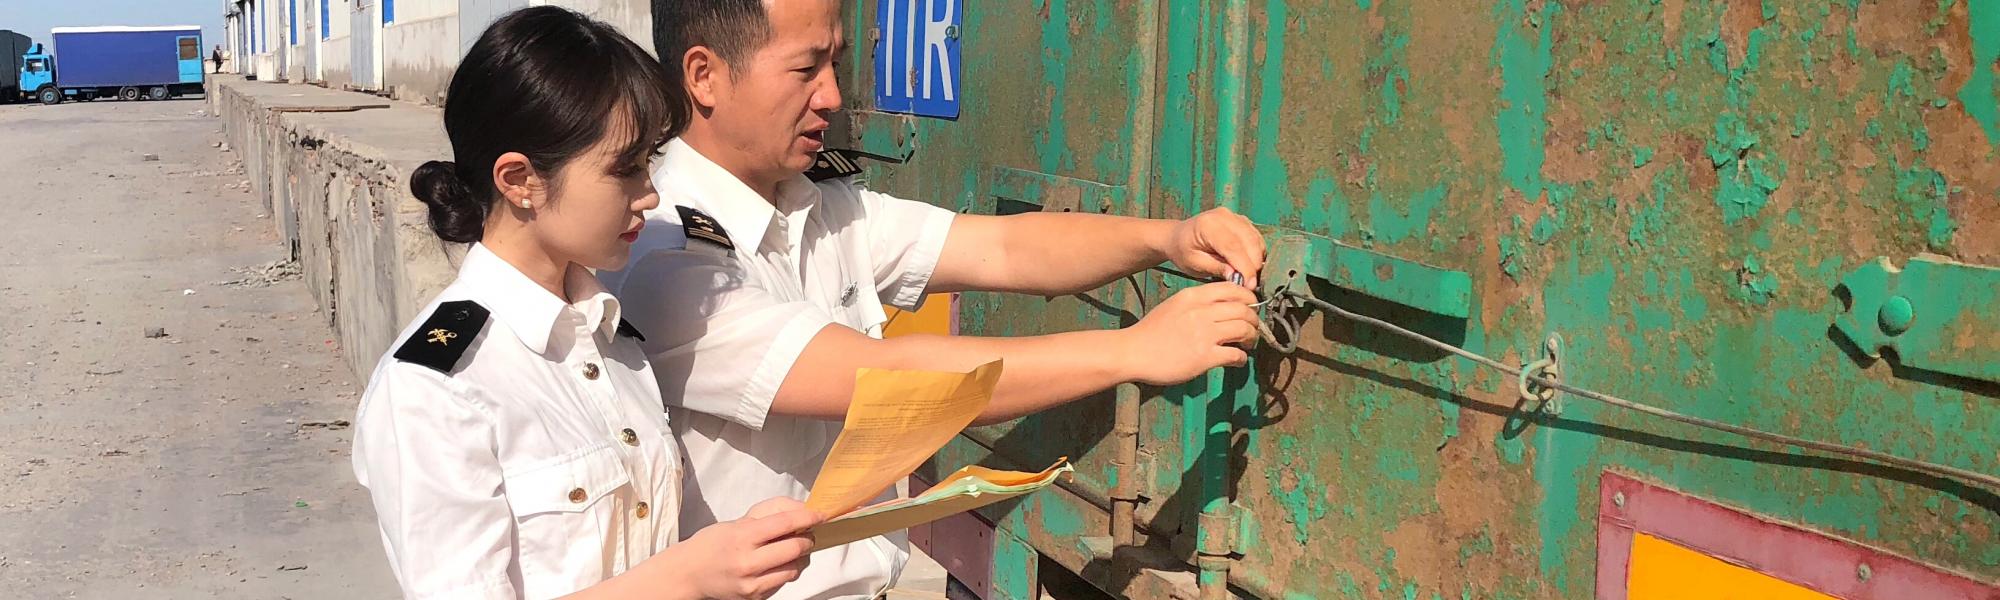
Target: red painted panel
962 543
1815 560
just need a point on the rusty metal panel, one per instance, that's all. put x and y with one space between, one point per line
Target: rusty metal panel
1676 187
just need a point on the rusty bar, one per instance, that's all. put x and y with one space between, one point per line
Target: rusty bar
1125 495
1125 425
1215 526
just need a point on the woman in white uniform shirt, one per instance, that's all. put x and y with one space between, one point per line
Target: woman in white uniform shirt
514 441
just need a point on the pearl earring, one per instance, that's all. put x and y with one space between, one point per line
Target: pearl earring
527 204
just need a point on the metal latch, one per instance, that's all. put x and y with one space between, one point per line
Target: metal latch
1295 256
1936 314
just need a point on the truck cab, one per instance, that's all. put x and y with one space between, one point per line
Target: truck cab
38 75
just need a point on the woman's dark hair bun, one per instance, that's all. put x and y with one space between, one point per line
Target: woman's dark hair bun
457 215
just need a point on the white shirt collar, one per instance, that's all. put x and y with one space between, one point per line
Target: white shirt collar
529 310
713 190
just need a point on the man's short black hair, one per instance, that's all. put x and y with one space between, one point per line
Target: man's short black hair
732 28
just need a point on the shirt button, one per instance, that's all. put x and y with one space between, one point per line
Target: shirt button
644 510
578 496
590 371
631 437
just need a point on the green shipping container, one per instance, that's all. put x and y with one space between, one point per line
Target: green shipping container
1781 215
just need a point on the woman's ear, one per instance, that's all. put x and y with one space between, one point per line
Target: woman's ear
705 72
516 180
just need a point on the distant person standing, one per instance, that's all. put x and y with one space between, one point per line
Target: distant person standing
216 57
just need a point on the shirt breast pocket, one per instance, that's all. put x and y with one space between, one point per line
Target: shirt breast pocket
566 513
865 314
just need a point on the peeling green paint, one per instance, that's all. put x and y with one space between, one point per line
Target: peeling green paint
1301 498
1393 225
1053 145
1521 52
1510 254
1732 140
1902 80
1561 456
1545 229
1746 187
1478 545
1755 283
1745 182
1926 193
1267 168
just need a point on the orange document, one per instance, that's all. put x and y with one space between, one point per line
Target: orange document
897 420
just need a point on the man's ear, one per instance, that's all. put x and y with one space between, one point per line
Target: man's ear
706 75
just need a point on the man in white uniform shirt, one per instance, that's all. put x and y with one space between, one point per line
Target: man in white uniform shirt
760 289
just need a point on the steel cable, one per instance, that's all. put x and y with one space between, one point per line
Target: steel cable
1845 450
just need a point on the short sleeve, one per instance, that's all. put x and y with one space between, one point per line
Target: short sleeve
428 460
905 238
718 343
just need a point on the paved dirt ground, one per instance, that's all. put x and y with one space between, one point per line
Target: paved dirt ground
203 464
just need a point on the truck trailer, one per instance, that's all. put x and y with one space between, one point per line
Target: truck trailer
12 46
1780 223
126 62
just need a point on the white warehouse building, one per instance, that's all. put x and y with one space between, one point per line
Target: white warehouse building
404 49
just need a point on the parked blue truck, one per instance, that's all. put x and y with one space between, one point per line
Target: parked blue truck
128 63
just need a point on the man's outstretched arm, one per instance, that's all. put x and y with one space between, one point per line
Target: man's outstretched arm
1192 332
1054 254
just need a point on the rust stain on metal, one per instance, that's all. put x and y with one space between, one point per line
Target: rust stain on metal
1670 21
1738 20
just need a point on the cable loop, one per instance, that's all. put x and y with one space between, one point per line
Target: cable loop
1280 310
1532 389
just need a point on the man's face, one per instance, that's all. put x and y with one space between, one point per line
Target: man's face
774 103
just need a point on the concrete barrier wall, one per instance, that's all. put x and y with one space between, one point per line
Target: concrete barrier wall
332 169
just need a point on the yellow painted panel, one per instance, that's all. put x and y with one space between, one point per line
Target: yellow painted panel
934 318
1663 570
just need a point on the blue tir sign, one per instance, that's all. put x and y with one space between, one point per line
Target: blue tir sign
917 57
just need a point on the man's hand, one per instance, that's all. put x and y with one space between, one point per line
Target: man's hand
1195 330
1216 243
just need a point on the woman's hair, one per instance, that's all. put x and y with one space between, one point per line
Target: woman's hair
548 83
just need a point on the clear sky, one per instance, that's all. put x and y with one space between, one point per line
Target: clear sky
33 18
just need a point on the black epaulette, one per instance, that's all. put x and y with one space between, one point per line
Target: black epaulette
626 329
443 339
833 164
699 226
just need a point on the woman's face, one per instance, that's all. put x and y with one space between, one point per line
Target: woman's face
596 207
